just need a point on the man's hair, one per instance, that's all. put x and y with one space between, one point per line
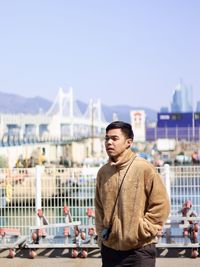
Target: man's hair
124 126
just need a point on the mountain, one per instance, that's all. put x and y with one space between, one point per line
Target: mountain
12 103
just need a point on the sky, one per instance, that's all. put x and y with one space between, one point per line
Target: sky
123 52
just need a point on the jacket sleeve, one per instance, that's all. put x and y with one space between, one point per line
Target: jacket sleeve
98 211
158 206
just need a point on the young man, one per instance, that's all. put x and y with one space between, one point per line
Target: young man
130 198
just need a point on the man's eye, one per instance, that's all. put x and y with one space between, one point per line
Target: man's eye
111 138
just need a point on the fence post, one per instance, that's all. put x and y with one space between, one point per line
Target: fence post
167 179
37 192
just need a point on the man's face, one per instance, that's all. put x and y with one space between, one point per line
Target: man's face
116 143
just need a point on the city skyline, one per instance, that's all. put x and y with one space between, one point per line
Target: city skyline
124 53
181 99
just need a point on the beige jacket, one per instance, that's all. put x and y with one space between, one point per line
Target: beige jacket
143 204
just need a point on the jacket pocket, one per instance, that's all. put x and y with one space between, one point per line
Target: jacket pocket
146 230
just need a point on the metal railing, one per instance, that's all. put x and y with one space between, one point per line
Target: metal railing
24 191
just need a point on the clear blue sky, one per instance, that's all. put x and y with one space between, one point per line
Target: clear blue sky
123 52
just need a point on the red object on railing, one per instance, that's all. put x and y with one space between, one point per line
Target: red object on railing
40 213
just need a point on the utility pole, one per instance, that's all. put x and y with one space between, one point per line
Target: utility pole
93 108
92 128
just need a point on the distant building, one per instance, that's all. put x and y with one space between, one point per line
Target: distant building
175 125
182 99
176 105
198 106
175 119
138 118
164 109
182 119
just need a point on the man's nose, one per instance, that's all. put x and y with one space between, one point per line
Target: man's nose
109 141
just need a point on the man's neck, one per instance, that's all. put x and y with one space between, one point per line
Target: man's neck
119 157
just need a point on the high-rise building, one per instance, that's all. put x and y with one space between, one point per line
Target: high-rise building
176 105
182 99
198 106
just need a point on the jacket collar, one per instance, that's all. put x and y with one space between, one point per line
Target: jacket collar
124 161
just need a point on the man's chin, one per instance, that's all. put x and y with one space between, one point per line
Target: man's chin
110 153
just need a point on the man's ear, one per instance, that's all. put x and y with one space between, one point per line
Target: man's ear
129 142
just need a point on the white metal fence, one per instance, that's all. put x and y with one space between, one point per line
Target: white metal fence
24 191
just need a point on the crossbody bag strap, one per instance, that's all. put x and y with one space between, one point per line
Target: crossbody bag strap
113 210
